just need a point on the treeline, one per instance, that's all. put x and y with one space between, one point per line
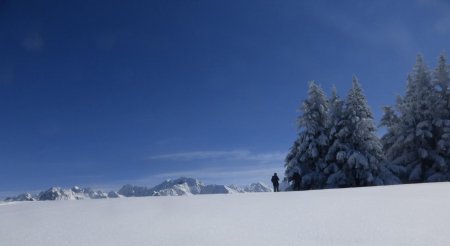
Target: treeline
337 144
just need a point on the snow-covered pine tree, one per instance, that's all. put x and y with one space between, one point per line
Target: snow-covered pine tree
358 152
307 154
335 126
390 171
441 119
413 141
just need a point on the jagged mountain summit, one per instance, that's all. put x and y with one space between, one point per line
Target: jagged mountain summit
21 197
257 187
189 186
177 187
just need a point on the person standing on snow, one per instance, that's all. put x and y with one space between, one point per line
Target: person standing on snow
297 181
275 181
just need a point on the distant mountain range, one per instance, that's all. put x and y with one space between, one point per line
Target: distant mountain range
177 187
57 193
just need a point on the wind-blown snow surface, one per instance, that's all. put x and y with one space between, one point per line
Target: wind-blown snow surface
390 215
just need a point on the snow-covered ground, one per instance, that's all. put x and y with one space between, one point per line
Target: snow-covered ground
390 215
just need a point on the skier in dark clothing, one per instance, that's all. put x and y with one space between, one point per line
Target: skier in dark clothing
275 183
297 180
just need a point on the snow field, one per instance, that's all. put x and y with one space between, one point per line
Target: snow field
388 215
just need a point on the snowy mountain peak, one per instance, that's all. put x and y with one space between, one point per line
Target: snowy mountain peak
54 193
187 186
257 187
180 186
21 197
77 189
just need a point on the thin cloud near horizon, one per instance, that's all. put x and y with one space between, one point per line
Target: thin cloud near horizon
231 175
226 155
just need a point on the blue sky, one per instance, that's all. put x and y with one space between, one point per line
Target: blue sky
102 93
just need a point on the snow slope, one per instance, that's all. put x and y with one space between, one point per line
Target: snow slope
389 215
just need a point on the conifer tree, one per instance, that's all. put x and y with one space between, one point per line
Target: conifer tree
335 126
357 150
413 137
307 154
391 171
441 121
